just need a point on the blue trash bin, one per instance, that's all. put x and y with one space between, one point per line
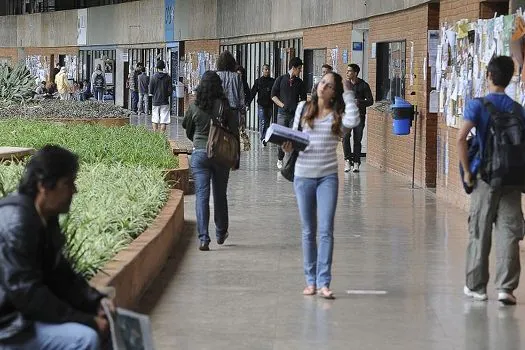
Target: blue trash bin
402 114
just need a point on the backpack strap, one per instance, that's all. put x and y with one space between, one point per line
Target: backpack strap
489 106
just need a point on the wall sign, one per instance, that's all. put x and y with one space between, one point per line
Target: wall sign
169 20
357 46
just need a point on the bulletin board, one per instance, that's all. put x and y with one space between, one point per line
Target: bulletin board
464 51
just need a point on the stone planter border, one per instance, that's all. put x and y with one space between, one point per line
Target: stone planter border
135 267
94 121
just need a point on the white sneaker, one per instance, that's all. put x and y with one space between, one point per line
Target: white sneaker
506 298
355 168
474 295
279 164
348 166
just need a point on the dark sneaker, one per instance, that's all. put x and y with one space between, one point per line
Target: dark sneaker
356 167
204 246
220 240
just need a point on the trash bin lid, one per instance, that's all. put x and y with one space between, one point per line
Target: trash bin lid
401 103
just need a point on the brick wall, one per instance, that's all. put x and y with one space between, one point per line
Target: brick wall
330 37
385 150
10 53
448 181
196 46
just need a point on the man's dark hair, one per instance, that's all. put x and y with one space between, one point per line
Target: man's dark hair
295 62
143 69
355 68
501 69
327 66
161 65
47 166
266 65
43 82
226 62
140 64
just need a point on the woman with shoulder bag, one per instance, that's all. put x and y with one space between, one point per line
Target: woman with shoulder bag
197 121
331 112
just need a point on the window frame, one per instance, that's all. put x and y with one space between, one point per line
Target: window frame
392 70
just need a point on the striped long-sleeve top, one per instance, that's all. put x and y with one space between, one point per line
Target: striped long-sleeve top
319 159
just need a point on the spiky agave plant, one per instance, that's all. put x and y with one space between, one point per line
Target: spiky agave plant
16 84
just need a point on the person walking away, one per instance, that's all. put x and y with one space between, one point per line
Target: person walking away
331 111
62 84
98 83
197 121
143 92
262 87
231 84
364 98
44 303
287 91
160 88
496 196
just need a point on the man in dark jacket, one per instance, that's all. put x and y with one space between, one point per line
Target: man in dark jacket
263 88
43 302
133 84
160 88
287 91
364 98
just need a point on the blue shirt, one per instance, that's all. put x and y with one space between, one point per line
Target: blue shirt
476 112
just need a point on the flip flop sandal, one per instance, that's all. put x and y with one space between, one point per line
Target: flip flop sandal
309 290
325 293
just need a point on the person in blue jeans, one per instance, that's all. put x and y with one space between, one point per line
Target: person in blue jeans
331 112
263 88
44 303
197 121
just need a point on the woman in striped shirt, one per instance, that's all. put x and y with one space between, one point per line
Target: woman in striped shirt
331 112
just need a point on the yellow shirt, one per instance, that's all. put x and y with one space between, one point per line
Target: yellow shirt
62 83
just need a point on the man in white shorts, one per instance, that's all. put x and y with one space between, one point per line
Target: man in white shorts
160 89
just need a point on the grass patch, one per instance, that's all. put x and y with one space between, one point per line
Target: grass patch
130 144
114 204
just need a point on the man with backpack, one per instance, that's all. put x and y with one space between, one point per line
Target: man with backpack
497 182
98 83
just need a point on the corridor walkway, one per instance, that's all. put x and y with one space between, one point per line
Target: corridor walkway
397 273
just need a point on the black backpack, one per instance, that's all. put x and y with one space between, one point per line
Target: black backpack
503 157
99 81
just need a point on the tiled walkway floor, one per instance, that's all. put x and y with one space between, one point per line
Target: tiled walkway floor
388 238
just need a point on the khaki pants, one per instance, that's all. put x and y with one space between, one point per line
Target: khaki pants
503 209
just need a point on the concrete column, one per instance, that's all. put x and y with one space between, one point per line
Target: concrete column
119 76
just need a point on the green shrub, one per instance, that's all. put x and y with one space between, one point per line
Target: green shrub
16 84
133 145
114 204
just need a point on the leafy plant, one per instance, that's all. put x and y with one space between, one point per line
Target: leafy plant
16 84
114 204
132 145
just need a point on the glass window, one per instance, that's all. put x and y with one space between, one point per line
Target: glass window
391 67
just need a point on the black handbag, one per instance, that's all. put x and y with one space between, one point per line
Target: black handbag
288 170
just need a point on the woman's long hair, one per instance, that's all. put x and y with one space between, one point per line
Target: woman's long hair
336 103
209 90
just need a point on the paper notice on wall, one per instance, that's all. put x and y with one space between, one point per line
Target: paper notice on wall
433 102
425 67
433 46
411 72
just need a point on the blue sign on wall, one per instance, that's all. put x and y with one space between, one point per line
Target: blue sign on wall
357 46
345 56
169 20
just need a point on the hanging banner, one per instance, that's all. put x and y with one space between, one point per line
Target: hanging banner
82 27
169 20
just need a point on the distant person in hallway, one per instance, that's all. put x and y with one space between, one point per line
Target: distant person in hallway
197 124
133 84
232 84
160 89
325 68
44 303
262 87
98 83
62 84
490 206
364 98
330 113
287 91
143 92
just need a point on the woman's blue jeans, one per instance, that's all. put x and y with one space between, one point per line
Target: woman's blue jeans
317 201
206 171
